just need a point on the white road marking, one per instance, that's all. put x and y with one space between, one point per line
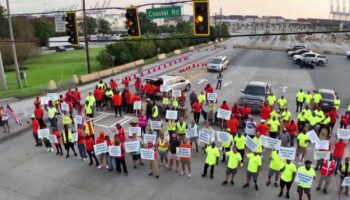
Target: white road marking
284 89
227 84
101 117
202 81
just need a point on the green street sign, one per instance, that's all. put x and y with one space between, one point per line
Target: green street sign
163 12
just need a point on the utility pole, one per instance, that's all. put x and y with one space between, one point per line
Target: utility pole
86 40
14 55
2 75
220 19
215 25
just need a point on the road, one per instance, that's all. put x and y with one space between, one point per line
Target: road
30 173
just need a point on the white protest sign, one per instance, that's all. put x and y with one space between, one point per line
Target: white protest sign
44 100
322 144
101 148
270 143
132 146
191 132
303 178
204 137
171 114
318 155
343 134
136 130
222 136
53 139
249 142
147 154
78 119
75 137
211 132
164 88
156 125
287 153
137 105
212 96
224 114
346 182
64 107
176 93
43 133
52 96
149 138
115 151
183 152
312 136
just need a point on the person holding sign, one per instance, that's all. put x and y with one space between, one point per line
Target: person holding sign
153 163
233 158
35 127
259 147
136 155
58 146
226 146
253 168
338 153
326 172
288 170
181 127
328 148
103 156
302 143
239 140
303 187
89 144
275 167
163 147
194 140
67 139
120 160
344 172
274 126
185 161
212 157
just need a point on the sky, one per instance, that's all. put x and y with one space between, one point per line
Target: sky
287 8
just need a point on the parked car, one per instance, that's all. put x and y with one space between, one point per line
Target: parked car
218 63
314 57
254 95
174 82
347 54
60 49
327 100
296 47
307 64
298 52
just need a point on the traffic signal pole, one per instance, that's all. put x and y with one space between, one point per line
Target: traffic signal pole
88 67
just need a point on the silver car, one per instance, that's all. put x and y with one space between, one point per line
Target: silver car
174 82
218 63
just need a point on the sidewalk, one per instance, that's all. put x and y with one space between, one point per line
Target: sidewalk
27 106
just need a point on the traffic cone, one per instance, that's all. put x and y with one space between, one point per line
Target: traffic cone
159 67
174 61
129 78
149 71
170 63
194 65
198 65
141 74
135 76
164 66
154 69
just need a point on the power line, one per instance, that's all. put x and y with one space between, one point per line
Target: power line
193 37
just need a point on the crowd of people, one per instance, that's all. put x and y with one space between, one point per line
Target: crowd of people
275 122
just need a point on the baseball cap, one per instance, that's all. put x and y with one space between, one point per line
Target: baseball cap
262 120
32 116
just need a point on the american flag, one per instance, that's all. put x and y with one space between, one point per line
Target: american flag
8 110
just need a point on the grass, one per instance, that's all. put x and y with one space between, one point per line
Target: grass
56 66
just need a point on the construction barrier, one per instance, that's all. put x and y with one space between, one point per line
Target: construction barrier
89 77
105 73
161 56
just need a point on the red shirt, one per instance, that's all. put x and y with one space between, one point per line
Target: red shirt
344 119
209 89
339 149
235 111
120 135
196 106
38 112
333 116
137 83
128 97
77 95
113 85
35 126
125 82
262 129
136 98
232 124
225 107
81 138
122 151
245 111
98 94
100 139
291 128
89 144
265 112
58 136
116 99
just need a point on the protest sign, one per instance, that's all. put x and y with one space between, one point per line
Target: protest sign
343 134
101 148
211 132
224 114
149 138
212 96
312 136
222 136
322 144
137 105
52 96
191 132
43 133
164 88
346 182
249 142
303 178
204 137
75 137
136 130
322 155
64 107
53 139
44 100
183 152
176 93
270 143
78 119
171 114
287 153
156 125
147 154
115 151
132 146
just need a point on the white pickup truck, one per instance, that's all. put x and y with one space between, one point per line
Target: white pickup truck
311 57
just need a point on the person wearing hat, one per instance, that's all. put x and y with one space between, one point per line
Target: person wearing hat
148 108
344 172
303 187
58 146
103 156
226 146
35 127
262 128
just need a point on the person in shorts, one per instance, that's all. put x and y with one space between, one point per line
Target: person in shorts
136 156
4 120
253 168
194 140
173 143
233 160
185 161
163 148
304 188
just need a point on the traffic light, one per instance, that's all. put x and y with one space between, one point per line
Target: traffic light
201 18
132 22
72 28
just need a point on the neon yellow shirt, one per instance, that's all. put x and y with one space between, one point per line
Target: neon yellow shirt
239 142
310 172
254 162
275 162
212 155
233 159
287 174
302 139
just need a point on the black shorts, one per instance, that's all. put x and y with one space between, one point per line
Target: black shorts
136 157
231 171
303 190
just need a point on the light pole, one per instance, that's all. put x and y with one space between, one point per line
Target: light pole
86 40
14 55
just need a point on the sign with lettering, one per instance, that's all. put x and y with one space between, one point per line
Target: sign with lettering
53 139
191 132
176 93
318 155
101 148
136 130
343 134
287 153
132 146
137 105
149 138
270 143
303 178
183 152
156 125
222 136
249 142
147 154
64 107
164 88
204 137
75 137
43 133
115 151
322 144
171 114
312 136
224 114
212 96
44 100
346 182
78 119
163 12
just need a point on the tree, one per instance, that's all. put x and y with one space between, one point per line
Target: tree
147 25
104 26
3 23
43 31
91 25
